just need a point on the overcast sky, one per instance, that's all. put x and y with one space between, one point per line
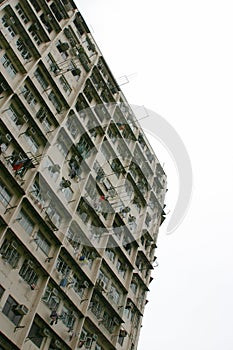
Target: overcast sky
179 59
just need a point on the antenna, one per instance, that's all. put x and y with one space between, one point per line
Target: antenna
125 79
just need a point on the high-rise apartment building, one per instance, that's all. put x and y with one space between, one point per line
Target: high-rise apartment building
81 190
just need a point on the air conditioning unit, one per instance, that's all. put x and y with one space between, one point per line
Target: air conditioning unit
8 137
21 309
57 344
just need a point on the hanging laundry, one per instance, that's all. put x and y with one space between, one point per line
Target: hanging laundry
63 282
54 317
54 168
3 148
21 163
65 183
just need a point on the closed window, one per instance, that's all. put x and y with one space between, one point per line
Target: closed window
8 22
67 317
15 117
134 287
42 243
110 254
22 48
22 14
25 222
55 101
7 64
41 79
5 195
114 294
32 143
29 96
65 85
74 239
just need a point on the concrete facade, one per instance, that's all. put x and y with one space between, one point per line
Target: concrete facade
81 190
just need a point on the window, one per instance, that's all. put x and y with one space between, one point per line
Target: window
63 144
15 117
32 143
74 239
134 287
62 267
102 277
57 12
35 5
38 195
55 101
35 335
53 214
129 311
52 63
108 321
6 62
8 23
67 317
9 252
88 256
28 273
121 339
25 222
121 268
46 19
110 254
53 169
5 195
72 125
65 85
114 294
2 290
29 96
22 14
22 48
96 308
42 115
33 30
8 310
42 243
50 298
41 79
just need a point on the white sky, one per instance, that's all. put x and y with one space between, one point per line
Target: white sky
181 59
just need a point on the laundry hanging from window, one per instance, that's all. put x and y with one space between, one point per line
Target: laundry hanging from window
21 164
